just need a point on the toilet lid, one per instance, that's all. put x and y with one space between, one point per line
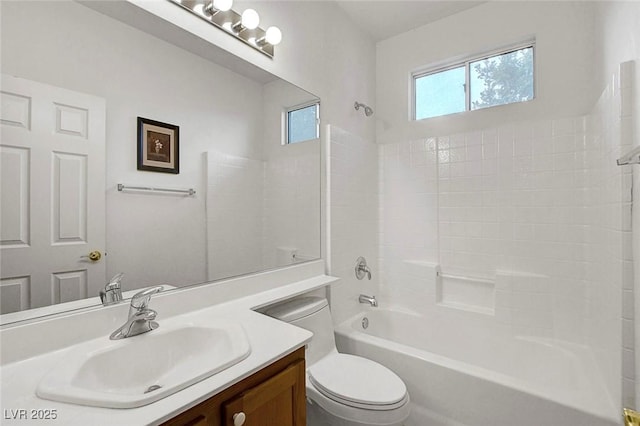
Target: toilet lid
358 382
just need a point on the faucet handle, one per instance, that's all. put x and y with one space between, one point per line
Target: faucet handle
112 292
362 269
115 281
141 299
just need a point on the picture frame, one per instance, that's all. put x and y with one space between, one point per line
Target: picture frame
158 146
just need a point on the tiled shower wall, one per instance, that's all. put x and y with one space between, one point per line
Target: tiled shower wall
541 203
292 205
502 201
353 218
609 261
261 213
234 194
408 183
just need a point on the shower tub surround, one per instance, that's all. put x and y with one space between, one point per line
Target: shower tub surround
539 215
460 375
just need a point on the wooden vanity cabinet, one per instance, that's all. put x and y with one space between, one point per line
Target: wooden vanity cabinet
274 396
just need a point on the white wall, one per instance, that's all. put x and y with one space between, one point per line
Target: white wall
564 40
326 54
321 51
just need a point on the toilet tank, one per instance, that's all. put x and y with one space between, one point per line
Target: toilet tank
313 314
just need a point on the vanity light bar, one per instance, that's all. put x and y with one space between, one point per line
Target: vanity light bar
243 27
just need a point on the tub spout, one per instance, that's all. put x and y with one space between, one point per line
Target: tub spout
368 299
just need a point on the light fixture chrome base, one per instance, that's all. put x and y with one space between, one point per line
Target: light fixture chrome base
229 22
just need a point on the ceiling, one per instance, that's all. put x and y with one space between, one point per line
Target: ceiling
384 19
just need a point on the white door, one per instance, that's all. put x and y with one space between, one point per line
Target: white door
52 194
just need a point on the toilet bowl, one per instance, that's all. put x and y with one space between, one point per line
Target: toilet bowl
342 389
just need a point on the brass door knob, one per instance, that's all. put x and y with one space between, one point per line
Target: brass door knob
631 417
94 256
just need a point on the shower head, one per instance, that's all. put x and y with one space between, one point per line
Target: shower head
367 110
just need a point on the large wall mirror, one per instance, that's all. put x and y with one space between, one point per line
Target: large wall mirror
75 82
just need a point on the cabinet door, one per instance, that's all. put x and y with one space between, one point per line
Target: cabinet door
279 401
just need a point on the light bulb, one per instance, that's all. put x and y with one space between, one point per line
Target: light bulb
273 36
222 5
250 19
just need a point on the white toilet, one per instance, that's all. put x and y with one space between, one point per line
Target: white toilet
342 390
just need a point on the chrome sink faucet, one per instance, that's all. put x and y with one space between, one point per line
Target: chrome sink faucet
141 318
368 299
112 292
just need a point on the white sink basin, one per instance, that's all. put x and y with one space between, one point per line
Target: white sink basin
142 369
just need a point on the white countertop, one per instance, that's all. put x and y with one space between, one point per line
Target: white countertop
270 340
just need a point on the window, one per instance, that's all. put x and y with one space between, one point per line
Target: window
302 123
440 93
493 79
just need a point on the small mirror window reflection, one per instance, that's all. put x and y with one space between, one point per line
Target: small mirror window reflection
302 123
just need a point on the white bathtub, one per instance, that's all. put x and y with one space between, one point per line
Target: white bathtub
462 376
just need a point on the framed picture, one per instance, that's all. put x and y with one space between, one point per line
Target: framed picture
158 146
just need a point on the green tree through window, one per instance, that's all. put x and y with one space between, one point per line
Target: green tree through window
483 81
504 79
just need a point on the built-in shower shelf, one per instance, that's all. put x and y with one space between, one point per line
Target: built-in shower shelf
468 293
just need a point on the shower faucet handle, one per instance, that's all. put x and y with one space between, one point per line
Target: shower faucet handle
362 269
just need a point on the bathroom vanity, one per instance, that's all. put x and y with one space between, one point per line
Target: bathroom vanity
267 385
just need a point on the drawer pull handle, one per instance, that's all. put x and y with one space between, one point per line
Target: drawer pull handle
239 419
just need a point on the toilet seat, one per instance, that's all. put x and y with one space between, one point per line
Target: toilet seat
358 382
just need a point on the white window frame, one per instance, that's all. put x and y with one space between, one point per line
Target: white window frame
466 63
285 133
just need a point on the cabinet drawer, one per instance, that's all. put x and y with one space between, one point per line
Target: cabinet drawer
279 401
276 390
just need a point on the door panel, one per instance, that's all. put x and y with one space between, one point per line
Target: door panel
52 210
14 187
69 196
69 286
14 293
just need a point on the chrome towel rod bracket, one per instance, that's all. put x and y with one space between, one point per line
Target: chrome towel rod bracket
188 191
631 157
